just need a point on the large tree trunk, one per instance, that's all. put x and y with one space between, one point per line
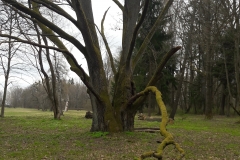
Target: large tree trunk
104 117
124 88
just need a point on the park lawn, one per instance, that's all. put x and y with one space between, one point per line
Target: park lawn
32 134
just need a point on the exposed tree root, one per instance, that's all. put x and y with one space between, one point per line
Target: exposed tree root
168 137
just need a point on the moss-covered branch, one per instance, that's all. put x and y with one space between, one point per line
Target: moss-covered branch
69 57
57 9
168 137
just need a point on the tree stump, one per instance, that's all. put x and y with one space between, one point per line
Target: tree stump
89 115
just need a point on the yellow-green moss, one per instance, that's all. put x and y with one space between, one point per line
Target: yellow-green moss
168 137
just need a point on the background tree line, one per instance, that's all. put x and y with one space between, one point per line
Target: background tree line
204 77
35 96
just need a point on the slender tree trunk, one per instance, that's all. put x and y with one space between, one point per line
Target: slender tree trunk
237 53
223 99
54 98
152 68
208 59
182 70
4 96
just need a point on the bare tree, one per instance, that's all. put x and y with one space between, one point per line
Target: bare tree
7 53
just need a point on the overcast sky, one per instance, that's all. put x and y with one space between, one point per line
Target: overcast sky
111 30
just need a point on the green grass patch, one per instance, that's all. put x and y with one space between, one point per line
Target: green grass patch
33 134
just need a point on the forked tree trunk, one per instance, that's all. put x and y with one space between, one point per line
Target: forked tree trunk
108 116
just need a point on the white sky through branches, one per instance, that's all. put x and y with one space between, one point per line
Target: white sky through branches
113 33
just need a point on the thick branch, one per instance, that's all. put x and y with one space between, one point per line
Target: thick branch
168 137
136 100
160 67
130 52
57 9
118 4
70 58
151 33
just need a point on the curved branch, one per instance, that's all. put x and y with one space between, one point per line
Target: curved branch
118 4
130 52
135 101
161 65
106 43
49 24
69 57
151 33
57 9
168 137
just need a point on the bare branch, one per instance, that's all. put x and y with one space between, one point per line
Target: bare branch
161 65
58 10
69 57
106 43
157 75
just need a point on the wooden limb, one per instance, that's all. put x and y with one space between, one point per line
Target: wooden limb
151 33
47 23
135 33
161 65
118 4
168 137
135 101
57 9
47 87
17 39
106 43
69 57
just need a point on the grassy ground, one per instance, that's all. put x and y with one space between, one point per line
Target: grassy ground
31 134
